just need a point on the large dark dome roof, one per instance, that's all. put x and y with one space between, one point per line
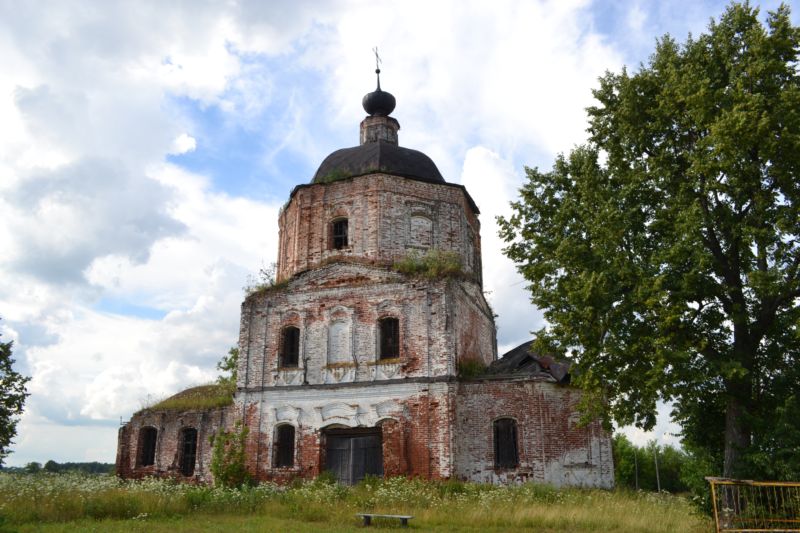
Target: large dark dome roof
377 157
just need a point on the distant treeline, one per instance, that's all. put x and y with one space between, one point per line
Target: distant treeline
51 466
653 466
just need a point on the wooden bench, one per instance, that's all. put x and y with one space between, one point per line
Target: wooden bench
369 516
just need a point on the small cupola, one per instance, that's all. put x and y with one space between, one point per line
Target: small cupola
378 150
379 104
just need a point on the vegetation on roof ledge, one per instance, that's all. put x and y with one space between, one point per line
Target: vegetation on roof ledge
433 264
264 282
208 396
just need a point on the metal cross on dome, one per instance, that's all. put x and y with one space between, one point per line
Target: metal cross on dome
377 66
377 59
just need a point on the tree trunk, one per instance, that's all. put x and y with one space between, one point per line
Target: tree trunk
740 393
737 434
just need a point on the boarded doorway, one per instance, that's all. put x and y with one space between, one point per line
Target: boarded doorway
351 454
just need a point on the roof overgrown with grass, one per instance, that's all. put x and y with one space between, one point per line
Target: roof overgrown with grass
209 396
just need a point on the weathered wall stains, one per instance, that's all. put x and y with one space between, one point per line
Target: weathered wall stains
168 457
553 448
431 423
388 217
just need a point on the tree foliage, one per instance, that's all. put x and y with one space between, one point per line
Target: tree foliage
228 457
635 466
665 252
229 364
12 398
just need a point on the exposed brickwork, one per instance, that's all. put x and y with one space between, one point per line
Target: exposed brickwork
169 425
381 211
437 318
430 424
553 447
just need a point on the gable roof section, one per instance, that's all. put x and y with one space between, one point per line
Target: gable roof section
521 361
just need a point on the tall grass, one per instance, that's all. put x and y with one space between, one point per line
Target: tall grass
208 396
445 506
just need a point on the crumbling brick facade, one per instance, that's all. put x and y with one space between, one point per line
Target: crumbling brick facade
169 455
554 447
346 364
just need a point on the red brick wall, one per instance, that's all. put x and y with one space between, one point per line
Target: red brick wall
416 429
379 209
169 425
553 447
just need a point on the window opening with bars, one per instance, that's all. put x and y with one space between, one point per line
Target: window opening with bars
188 451
339 233
284 446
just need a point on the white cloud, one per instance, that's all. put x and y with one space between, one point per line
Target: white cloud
97 365
493 184
60 220
636 18
121 274
183 143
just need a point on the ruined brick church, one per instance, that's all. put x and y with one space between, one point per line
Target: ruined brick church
353 365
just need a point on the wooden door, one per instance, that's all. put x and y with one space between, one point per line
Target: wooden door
352 455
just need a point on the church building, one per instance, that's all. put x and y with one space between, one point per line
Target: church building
375 352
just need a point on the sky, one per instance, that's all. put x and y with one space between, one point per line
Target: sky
146 148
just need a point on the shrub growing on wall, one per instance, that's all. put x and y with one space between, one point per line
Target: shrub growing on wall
228 457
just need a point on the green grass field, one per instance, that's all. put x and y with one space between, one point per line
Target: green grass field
70 502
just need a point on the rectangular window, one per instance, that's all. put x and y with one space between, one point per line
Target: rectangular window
147 446
389 332
290 347
506 453
284 446
339 234
188 451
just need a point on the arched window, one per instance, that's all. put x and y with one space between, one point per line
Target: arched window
284 446
290 347
188 451
388 338
506 453
339 234
147 446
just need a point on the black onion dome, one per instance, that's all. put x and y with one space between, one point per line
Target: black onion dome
377 157
378 103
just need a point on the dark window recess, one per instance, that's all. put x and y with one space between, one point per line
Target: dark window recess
284 446
389 338
147 446
188 451
506 453
339 233
290 347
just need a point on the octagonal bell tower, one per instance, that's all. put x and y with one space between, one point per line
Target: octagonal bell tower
376 203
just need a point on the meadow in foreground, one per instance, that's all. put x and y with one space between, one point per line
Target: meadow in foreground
71 502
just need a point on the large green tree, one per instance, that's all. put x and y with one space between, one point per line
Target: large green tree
665 252
12 398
